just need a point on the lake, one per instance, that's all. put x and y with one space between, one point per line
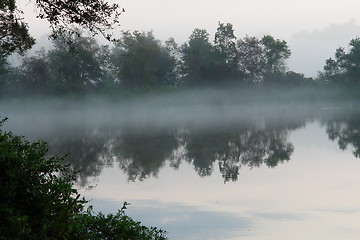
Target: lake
210 167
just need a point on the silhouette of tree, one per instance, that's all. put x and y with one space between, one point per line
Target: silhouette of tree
225 52
140 61
197 57
250 58
261 60
78 65
14 35
36 76
98 16
4 68
275 54
346 65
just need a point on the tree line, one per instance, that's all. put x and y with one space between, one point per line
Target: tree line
77 63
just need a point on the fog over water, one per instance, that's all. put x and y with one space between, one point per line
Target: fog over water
231 130
199 108
210 164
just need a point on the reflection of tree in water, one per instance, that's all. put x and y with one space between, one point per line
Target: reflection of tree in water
87 150
345 129
254 148
235 148
141 153
203 148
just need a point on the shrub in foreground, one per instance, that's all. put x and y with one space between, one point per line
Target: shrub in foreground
113 226
38 199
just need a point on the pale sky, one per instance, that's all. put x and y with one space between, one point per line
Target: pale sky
284 19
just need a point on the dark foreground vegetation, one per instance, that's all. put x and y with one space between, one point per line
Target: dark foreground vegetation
38 199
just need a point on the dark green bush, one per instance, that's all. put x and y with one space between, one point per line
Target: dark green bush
38 199
112 227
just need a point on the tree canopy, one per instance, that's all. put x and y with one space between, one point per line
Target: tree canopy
345 67
138 61
63 15
141 61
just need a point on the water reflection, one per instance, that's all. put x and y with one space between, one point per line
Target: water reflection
141 138
236 147
345 130
316 190
142 152
87 149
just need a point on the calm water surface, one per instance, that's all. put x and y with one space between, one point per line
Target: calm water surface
220 170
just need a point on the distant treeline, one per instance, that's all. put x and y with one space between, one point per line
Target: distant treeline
138 61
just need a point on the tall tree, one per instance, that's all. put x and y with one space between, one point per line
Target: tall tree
76 66
141 61
250 58
260 59
36 74
346 65
197 57
275 53
4 65
225 46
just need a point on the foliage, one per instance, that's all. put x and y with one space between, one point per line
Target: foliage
287 79
225 50
197 58
76 66
207 63
37 195
66 68
345 67
250 59
4 68
275 52
36 75
225 41
14 34
3 63
141 61
96 15
38 199
138 62
259 58
117 226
